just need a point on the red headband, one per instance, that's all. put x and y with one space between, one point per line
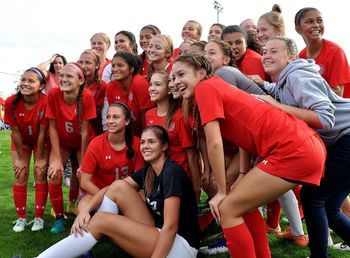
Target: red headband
77 69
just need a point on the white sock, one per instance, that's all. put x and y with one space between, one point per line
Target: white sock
108 205
289 205
70 247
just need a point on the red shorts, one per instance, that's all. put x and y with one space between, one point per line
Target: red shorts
303 164
29 148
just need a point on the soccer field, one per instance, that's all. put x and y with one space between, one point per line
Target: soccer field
29 244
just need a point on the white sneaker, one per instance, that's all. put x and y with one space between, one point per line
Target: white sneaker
20 225
38 224
342 246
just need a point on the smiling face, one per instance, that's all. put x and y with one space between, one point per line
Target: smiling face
190 31
88 64
275 58
158 87
152 149
156 50
215 56
122 42
121 69
237 43
186 78
173 88
249 24
266 31
69 80
30 84
99 44
145 37
116 120
311 26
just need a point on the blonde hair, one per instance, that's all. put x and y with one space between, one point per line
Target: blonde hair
275 18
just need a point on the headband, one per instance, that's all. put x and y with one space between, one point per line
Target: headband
39 73
77 69
91 52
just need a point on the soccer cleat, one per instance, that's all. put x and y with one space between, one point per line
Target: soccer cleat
38 224
218 248
342 246
301 241
72 208
20 224
59 226
273 230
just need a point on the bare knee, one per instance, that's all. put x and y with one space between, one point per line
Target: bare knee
118 190
22 178
39 175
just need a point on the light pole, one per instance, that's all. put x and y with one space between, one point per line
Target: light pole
218 7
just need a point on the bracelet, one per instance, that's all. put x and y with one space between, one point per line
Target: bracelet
242 173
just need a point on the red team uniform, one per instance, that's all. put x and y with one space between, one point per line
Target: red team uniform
102 68
334 65
180 136
28 121
263 130
107 164
66 116
251 64
99 93
136 97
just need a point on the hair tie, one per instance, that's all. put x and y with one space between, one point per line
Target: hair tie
77 69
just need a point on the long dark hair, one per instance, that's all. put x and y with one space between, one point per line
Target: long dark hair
162 136
52 68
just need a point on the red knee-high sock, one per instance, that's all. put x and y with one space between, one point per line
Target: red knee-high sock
41 191
257 228
20 199
273 214
296 191
56 196
239 241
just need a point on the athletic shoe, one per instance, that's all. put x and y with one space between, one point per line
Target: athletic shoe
59 226
53 214
88 254
38 224
302 241
218 248
273 230
342 246
72 208
20 224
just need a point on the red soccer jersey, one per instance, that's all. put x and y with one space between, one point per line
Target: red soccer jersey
106 164
251 64
98 93
66 116
254 125
136 97
28 121
180 135
333 63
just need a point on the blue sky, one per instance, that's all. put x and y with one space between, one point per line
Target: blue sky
32 30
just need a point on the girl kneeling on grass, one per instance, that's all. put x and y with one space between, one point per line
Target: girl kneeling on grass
70 109
163 226
285 143
113 155
25 113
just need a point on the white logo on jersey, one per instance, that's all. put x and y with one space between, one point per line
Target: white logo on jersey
108 157
117 97
151 121
131 96
171 127
40 114
264 161
21 114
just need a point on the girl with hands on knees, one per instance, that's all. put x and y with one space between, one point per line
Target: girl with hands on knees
25 113
70 109
284 143
163 225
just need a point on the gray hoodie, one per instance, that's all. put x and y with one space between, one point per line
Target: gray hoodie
300 85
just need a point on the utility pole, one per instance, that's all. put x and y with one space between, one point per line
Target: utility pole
218 7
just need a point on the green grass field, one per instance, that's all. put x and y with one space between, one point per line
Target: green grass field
28 244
